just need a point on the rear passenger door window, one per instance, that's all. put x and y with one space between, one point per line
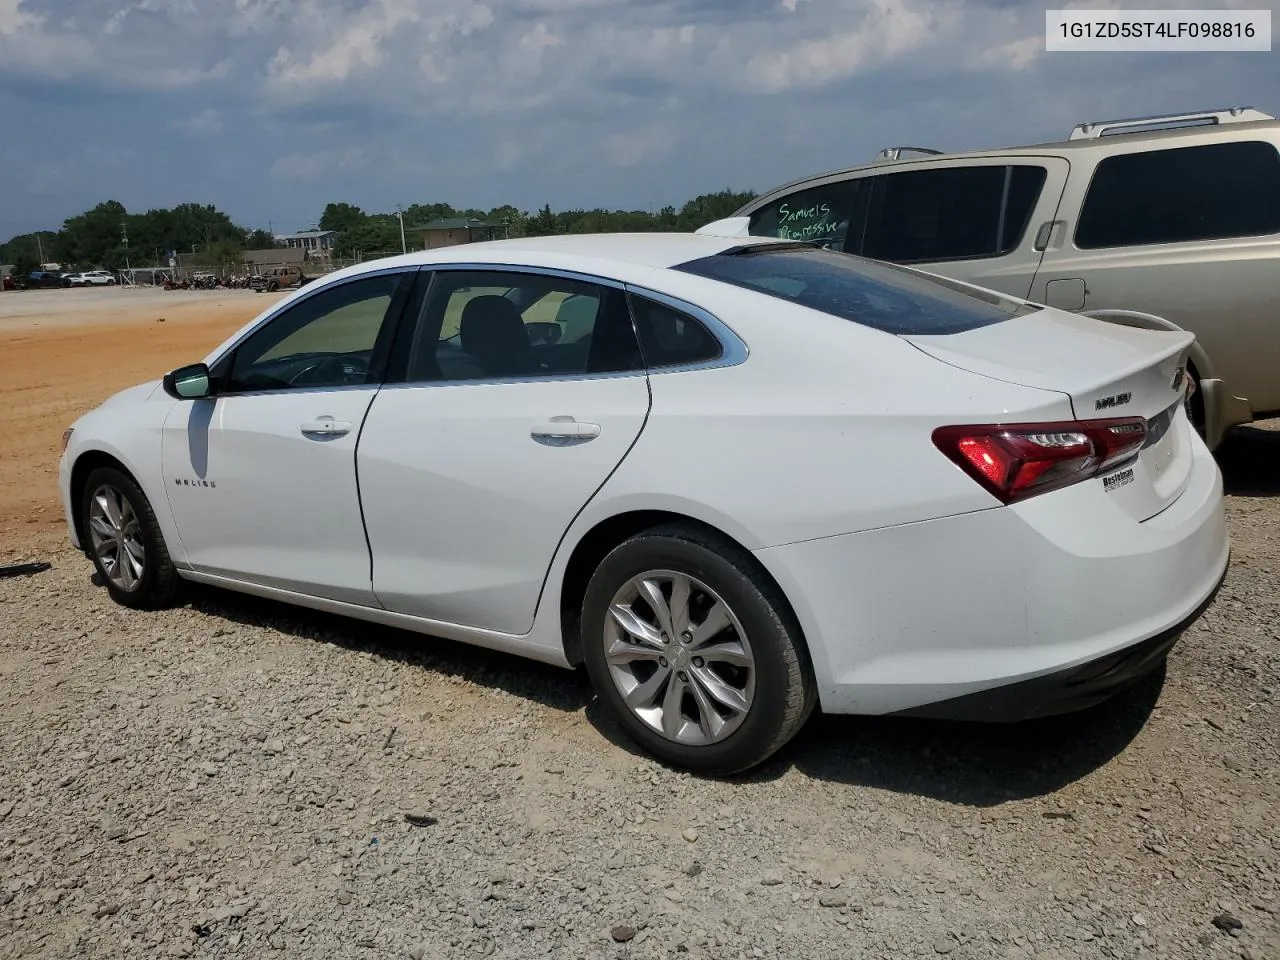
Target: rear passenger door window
496 325
824 214
1209 192
951 213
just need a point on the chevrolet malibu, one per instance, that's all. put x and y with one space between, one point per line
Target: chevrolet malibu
736 479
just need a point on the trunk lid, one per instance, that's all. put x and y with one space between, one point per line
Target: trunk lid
1108 371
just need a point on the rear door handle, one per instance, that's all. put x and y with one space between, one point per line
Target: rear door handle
326 427
565 430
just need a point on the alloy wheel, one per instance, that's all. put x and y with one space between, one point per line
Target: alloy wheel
679 656
115 536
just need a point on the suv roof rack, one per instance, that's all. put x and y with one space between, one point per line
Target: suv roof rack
1091 131
895 153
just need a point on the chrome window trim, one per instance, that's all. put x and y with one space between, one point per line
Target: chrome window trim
317 291
733 350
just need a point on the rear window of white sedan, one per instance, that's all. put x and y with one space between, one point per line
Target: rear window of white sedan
880 295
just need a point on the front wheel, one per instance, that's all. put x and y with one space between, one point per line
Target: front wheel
694 651
124 541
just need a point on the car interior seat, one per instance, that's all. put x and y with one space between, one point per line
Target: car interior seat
493 333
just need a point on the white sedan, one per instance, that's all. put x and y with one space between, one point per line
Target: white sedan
737 479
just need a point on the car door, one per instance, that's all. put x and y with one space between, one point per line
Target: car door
261 476
519 393
983 220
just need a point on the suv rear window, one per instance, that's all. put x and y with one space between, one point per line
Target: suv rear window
880 295
1185 194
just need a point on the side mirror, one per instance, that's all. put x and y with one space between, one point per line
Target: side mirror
188 383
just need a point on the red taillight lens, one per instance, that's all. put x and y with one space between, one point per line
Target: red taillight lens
1018 460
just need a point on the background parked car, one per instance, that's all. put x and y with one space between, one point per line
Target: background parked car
40 279
92 278
1146 222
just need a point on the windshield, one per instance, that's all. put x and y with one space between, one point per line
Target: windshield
876 294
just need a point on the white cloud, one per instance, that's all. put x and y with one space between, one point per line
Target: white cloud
354 45
13 18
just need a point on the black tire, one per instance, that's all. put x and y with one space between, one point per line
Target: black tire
159 586
784 691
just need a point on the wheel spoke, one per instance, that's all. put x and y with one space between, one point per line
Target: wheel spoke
709 719
672 707
646 693
101 526
123 568
717 619
104 549
623 652
136 551
642 632
110 508
720 691
652 593
679 604
134 563
730 652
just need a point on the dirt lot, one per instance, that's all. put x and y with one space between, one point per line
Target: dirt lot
237 779
64 351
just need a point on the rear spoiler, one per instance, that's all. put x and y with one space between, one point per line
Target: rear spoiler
729 227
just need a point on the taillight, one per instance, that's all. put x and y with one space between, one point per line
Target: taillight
1019 460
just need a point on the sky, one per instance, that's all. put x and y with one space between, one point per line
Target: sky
272 108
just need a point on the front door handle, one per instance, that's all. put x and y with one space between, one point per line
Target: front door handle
564 430
323 427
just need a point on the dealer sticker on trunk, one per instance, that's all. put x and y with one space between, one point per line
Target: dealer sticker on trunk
1117 480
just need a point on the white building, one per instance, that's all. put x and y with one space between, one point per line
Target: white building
317 243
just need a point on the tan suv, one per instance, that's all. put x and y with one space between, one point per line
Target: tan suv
1164 222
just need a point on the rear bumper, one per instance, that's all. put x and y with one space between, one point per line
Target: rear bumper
1066 691
1060 595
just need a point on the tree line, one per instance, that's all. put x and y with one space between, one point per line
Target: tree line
110 237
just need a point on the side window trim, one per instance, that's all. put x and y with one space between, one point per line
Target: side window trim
733 350
221 365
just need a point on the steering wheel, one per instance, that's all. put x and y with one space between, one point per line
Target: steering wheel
331 371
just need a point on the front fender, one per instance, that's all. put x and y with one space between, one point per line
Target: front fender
130 434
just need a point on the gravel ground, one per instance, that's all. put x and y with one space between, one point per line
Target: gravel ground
241 779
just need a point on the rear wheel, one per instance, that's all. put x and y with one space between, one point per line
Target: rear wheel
692 648
124 541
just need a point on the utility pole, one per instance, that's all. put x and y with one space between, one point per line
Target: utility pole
400 215
124 239
40 247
